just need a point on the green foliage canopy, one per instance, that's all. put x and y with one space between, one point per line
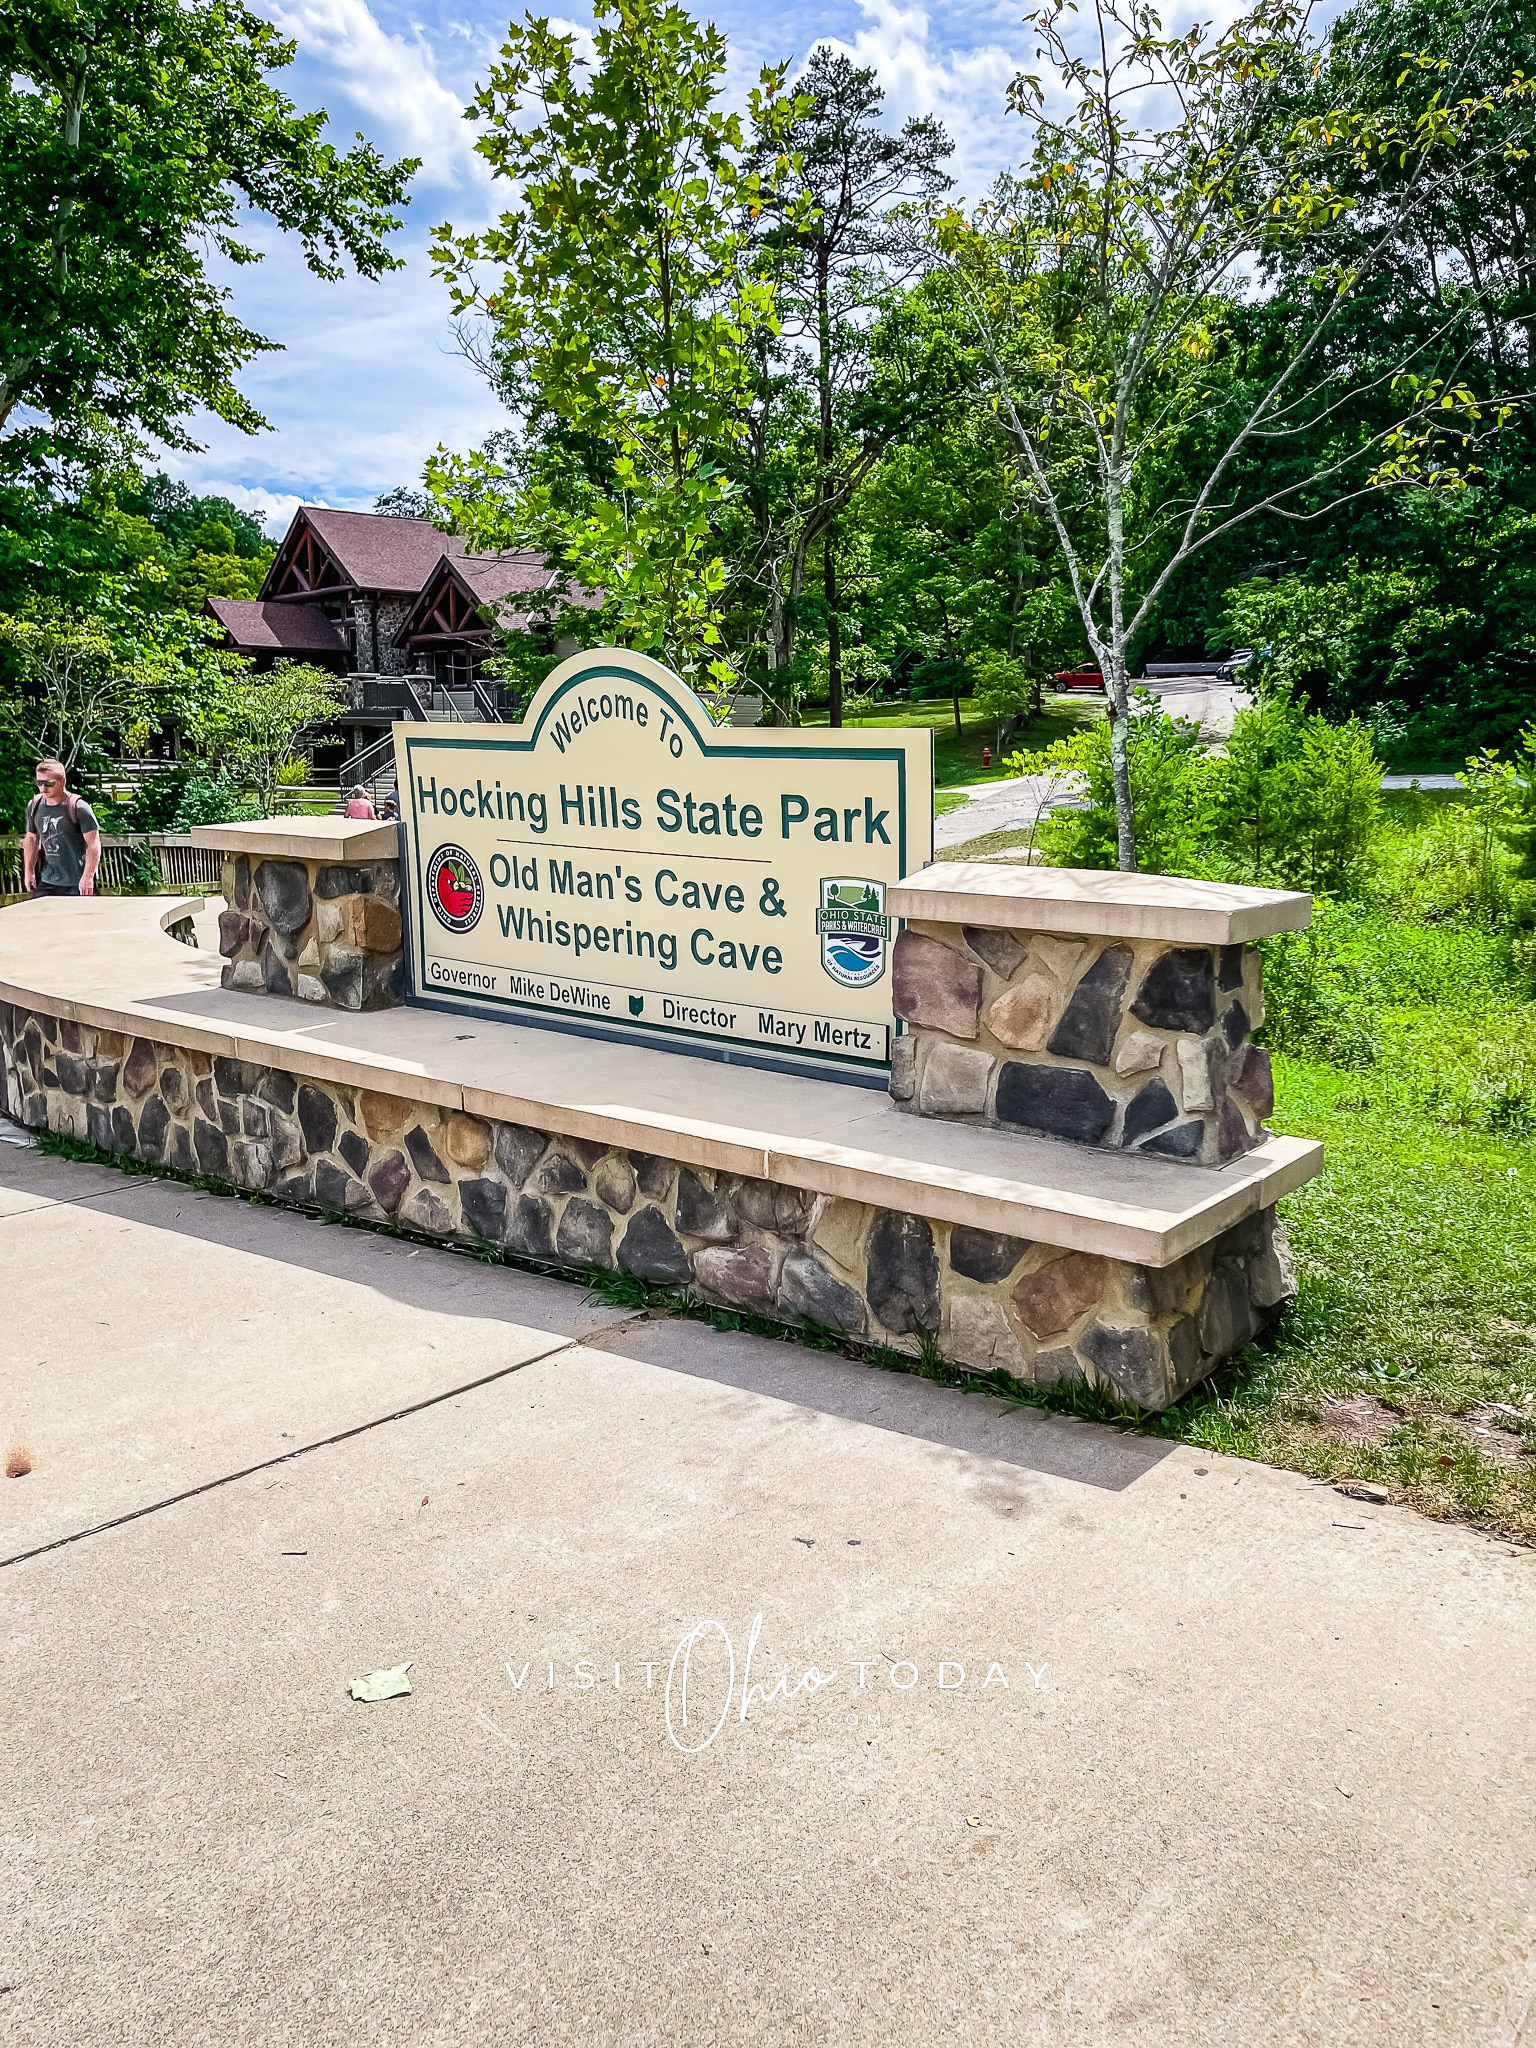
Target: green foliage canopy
625 289
1102 285
135 136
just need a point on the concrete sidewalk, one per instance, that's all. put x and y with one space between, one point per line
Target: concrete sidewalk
1255 1763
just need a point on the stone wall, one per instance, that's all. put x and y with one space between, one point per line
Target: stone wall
313 929
375 622
389 659
990 1301
1136 1045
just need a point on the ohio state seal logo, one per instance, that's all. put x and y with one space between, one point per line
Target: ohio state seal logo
454 889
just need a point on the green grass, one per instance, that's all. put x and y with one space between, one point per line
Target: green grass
1016 837
1414 1324
957 756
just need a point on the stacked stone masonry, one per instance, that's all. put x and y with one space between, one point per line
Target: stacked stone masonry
375 622
1133 1044
989 1301
314 929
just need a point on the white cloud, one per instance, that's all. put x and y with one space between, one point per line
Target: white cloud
273 508
964 83
368 383
366 388
391 81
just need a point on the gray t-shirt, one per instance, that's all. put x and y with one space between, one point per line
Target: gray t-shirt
61 845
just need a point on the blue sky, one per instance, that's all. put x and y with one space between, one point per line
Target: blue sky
368 382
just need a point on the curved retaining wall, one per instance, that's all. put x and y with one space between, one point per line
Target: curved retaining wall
990 1301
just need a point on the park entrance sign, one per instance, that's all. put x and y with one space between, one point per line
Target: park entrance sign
620 864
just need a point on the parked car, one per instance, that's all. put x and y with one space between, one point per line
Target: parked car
1080 679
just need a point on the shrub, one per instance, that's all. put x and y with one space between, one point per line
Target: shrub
213 800
1168 777
1317 1004
1295 799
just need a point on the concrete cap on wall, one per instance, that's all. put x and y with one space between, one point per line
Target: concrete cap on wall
1096 903
328 839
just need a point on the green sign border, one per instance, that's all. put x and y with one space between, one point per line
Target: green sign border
410 738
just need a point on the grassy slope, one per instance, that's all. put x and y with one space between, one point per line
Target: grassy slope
1409 1357
957 759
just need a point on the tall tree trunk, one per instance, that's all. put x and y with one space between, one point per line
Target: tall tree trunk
824 482
1120 762
1117 686
834 632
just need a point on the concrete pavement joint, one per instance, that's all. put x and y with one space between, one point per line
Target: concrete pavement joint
340 1436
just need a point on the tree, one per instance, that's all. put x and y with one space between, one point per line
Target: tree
254 723
135 138
403 502
937 557
839 193
1168 770
184 517
1006 689
77 690
623 295
1103 287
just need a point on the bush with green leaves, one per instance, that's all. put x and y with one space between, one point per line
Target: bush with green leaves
1293 800
1169 773
143 870
1317 1003
213 799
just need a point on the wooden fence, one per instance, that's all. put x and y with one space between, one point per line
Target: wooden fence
141 864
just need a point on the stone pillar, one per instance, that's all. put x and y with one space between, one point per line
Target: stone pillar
366 654
1110 1010
313 910
318 931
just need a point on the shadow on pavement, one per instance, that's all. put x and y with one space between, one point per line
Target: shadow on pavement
444 1282
977 1424
418 1276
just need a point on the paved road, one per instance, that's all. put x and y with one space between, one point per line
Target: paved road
1014 805
999 807
1263 1769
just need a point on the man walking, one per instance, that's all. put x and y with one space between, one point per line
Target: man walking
62 847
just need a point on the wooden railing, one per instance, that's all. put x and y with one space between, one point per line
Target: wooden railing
139 864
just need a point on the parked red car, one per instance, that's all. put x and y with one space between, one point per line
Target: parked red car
1080 678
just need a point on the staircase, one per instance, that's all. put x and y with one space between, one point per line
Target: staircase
418 699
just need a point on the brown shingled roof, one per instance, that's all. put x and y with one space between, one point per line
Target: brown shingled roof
379 553
505 585
258 627
499 580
